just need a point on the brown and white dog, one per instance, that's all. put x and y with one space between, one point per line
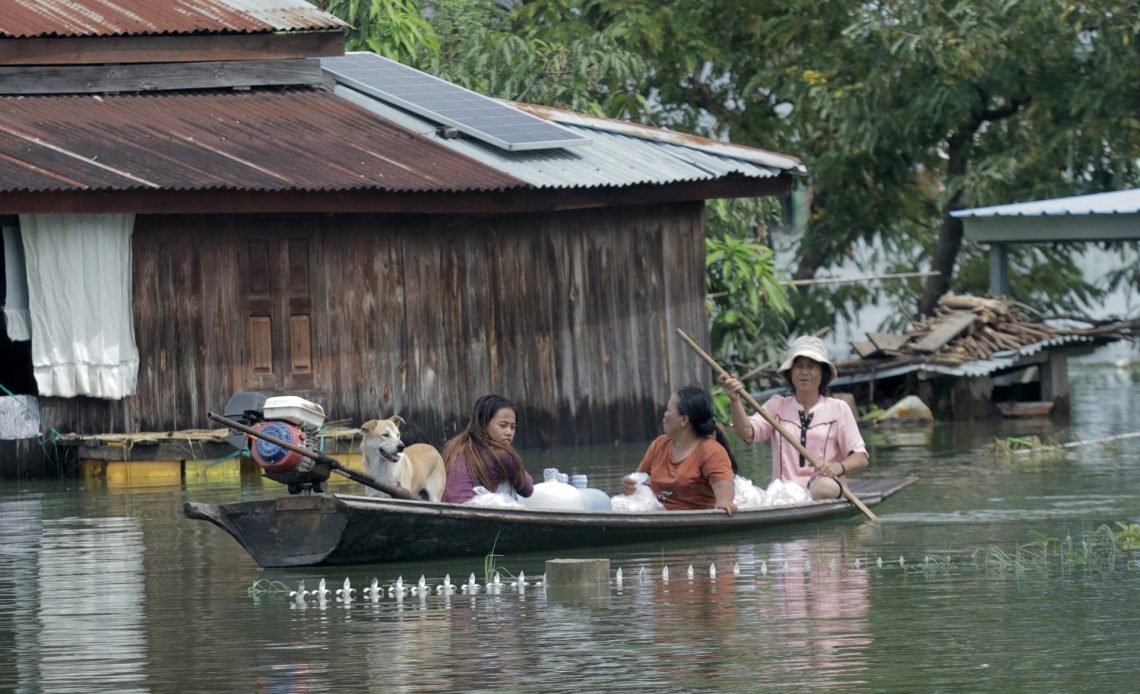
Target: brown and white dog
418 468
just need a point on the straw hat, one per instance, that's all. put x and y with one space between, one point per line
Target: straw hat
810 347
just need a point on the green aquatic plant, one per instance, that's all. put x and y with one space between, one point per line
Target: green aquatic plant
1129 536
489 568
1018 447
874 414
1015 443
265 586
1095 552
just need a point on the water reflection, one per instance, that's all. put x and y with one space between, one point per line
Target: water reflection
22 521
112 589
79 599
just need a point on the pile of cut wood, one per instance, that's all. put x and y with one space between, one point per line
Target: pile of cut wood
963 328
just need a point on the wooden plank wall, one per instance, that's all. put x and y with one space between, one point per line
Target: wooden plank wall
570 314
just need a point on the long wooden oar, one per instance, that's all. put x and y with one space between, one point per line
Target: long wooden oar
776 425
333 464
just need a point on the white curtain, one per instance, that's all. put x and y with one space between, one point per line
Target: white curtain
16 318
79 296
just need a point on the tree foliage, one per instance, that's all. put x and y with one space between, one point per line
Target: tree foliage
903 111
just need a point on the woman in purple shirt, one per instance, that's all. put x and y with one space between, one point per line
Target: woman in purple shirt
482 455
825 425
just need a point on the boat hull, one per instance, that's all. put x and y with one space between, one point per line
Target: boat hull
339 530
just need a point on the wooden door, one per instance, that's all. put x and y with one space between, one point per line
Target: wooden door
277 274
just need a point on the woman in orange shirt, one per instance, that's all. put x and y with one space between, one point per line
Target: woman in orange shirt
690 465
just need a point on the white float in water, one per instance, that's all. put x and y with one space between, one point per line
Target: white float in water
421 588
374 590
345 594
617 578
445 588
689 572
763 568
665 574
300 594
471 587
712 571
321 592
397 590
736 569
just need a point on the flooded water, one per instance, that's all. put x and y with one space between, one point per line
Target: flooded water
990 574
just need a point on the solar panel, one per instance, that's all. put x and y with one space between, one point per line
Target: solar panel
448 104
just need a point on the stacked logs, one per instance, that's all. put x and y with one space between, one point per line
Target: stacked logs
998 325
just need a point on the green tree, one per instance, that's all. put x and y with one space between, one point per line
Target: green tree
903 111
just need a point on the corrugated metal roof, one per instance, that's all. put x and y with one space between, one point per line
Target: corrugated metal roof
1117 202
784 162
612 159
979 367
71 18
297 139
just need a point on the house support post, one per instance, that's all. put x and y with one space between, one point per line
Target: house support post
999 269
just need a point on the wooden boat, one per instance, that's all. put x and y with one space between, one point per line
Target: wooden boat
341 529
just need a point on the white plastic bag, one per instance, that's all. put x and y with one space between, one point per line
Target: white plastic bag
488 499
781 493
643 499
747 495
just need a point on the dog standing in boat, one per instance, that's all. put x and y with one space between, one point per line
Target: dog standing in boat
418 468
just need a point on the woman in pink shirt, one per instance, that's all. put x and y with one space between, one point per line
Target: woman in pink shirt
825 425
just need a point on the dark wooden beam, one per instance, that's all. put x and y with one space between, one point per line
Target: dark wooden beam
526 200
97 50
148 77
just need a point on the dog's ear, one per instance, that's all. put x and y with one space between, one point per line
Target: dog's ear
370 425
397 419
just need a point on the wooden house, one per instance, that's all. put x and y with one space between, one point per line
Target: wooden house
289 234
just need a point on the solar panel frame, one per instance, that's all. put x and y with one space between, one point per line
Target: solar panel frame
440 101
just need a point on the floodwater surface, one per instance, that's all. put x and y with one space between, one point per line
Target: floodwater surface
993 573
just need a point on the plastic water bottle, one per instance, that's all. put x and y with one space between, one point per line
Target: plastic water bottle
554 494
593 499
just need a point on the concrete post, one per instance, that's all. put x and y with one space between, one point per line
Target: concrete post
1055 382
578 581
578 572
999 269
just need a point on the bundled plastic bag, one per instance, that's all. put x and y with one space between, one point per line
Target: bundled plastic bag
643 499
488 499
747 495
781 493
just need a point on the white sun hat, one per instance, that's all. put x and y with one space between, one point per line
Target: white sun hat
810 347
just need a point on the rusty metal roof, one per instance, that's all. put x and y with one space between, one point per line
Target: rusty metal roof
72 18
291 140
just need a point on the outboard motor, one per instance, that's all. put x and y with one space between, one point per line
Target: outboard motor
291 419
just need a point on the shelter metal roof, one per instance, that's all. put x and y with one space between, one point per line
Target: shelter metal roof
1116 202
614 158
979 367
295 139
1111 216
74 18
